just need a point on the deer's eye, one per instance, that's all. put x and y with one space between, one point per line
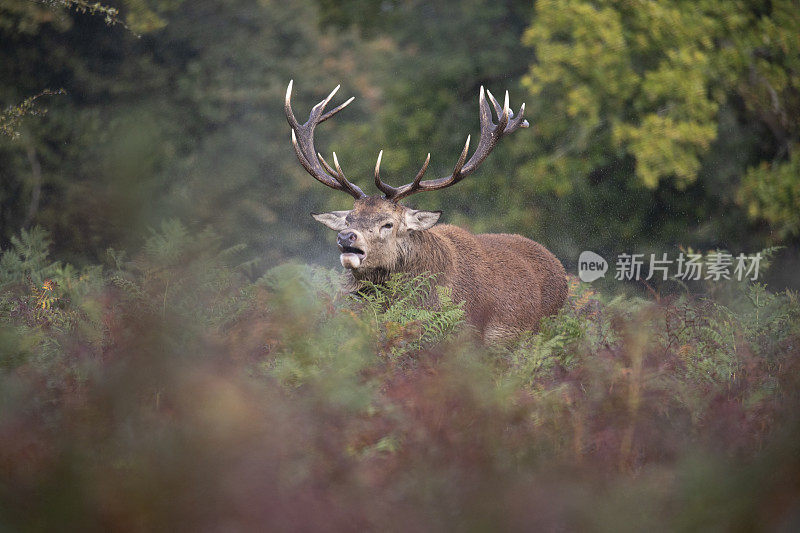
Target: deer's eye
388 225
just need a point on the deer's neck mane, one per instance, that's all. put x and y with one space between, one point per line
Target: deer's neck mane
422 251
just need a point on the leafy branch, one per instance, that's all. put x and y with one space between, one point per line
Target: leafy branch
111 14
11 117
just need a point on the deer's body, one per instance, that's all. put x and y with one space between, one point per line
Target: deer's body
508 283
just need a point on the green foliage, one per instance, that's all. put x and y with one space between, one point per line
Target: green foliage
411 311
27 259
692 344
44 305
657 96
318 345
329 342
771 192
640 96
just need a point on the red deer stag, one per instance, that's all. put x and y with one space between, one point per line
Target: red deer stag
507 282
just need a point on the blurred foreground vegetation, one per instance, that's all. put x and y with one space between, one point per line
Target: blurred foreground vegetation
166 391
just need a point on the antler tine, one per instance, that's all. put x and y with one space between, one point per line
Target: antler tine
335 110
287 107
491 133
320 107
303 143
345 185
325 164
339 173
516 120
497 107
396 193
485 114
387 190
503 122
412 187
520 122
462 158
431 185
422 170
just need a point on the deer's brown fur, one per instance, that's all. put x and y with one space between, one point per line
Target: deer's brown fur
508 283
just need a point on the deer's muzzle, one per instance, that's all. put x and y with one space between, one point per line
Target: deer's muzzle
352 255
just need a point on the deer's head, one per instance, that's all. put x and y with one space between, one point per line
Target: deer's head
374 234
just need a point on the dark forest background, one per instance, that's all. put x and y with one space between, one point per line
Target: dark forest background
654 126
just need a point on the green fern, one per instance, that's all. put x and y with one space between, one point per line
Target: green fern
411 312
537 355
28 259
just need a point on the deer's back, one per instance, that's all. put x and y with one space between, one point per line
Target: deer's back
509 282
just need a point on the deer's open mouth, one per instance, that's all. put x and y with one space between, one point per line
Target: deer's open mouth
351 256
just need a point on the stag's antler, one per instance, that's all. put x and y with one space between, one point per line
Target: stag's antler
507 123
303 142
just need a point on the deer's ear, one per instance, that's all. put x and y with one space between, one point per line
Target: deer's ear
419 220
334 220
